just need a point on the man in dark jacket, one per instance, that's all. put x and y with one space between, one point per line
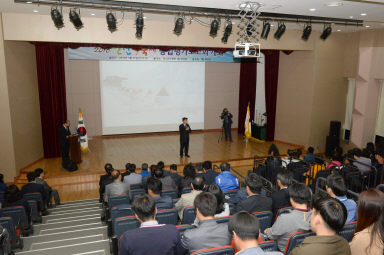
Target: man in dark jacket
33 187
209 174
280 199
226 116
105 180
64 133
51 193
154 190
184 130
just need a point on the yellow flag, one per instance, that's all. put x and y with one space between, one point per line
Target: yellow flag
247 125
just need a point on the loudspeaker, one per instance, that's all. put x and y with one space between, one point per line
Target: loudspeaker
347 134
334 128
331 143
69 165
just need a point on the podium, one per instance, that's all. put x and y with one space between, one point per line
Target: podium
74 148
259 132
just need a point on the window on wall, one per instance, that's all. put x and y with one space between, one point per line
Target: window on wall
379 131
349 108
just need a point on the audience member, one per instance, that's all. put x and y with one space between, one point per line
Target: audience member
280 199
133 177
49 191
189 174
226 180
154 190
272 164
209 233
361 162
13 197
105 180
126 173
255 202
161 165
3 186
167 181
117 187
175 176
199 169
310 157
379 156
369 234
209 174
336 188
33 187
294 221
328 217
151 237
144 170
187 199
245 229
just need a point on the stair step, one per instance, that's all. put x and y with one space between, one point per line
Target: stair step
101 252
82 211
75 207
64 242
93 200
81 248
66 223
70 218
70 228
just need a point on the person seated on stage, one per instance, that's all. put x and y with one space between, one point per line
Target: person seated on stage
226 180
133 177
328 217
209 174
189 173
144 170
187 199
167 181
336 188
310 157
161 165
245 229
13 197
151 237
280 199
209 233
255 202
199 169
3 186
154 190
105 180
117 187
33 187
126 173
49 191
294 221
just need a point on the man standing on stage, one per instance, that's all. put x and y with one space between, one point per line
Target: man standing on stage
64 134
184 130
226 116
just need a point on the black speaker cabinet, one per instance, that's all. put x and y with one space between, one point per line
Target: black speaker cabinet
334 128
331 143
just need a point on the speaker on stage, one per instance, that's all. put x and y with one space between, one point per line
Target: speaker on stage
334 128
331 143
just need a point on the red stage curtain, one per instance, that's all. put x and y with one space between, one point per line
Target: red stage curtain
271 79
247 91
53 106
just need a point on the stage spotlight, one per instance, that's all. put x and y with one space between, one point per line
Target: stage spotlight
57 18
326 32
111 22
306 32
139 24
265 31
280 31
179 24
214 27
74 17
227 32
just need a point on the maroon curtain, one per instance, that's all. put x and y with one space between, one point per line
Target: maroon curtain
271 80
53 107
247 91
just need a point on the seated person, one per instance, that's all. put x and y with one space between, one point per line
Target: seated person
151 237
154 190
199 169
241 195
3 186
294 221
167 181
133 177
126 173
187 199
379 156
280 199
161 165
209 233
209 174
245 229
328 217
105 180
175 176
13 197
117 187
226 180
310 157
33 187
189 173
50 192
255 202
144 170
362 162
336 188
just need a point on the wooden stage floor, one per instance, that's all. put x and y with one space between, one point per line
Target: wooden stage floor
149 148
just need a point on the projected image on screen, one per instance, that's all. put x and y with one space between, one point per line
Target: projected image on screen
151 96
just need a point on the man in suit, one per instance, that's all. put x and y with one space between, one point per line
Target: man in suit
184 130
209 174
105 180
117 187
64 134
209 233
133 177
255 202
49 191
280 199
151 237
226 116
33 187
154 190
187 199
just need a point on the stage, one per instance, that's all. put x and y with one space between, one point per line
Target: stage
148 148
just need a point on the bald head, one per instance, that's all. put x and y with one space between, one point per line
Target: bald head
115 174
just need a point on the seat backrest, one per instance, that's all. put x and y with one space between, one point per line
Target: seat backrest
136 186
18 215
189 215
224 219
174 201
121 211
123 224
186 190
7 223
136 192
223 250
2 196
182 228
348 231
167 216
283 210
265 219
35 216
173 193
295 239
269 246
232 208
118 200
230 193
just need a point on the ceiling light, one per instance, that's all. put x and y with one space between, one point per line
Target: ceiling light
280 31
351 17
338 30
74 17
139 24
29 2
367 26
334 4
363 14
111 22
179 24
227 32
57 18
35 11
312 9
265 31
92 14
326 32
214 27
306 32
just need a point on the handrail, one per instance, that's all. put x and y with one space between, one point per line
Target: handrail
372 168
319 189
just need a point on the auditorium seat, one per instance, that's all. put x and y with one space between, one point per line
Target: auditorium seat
173 193
223 219
118 200
295 239
122 224
136 186
37 197
189 215
184 227
118 212
270 245
35 213
136 192
348 231
232 208
223 250
19 217
167 216
229 194
175 201
265 219
283 210
14 234
186 190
